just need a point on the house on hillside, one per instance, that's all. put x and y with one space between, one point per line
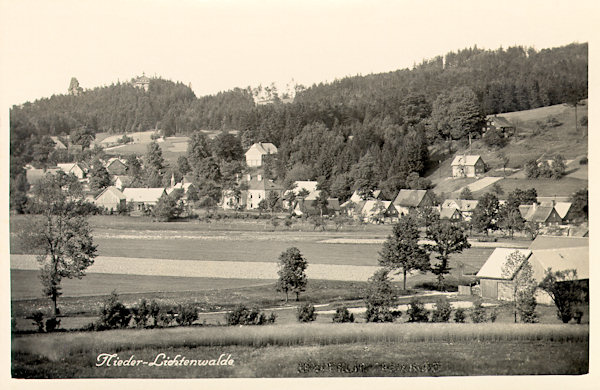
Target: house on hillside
467 166
464 206
501 124
413 199
111 199
256 153
142 199
78 169
542 215
116 166
58 144
258 190
559 255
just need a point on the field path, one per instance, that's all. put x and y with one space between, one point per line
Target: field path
207 269
481 183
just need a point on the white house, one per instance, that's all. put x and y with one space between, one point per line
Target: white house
258 190
77 169
467 166
256 153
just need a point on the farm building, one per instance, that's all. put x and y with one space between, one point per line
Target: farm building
565 211
298 186
412 199
465 206
110 198
116 166
467 166
557 253
501 124
373 210
141 198
543 215
256 153
78 169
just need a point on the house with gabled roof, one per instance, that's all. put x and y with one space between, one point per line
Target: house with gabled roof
543 215
122 181
501 124
78 169
451 214
555 253
310 206
408 200
111 199
467 166
258 190
58 144
116 166
256 153
464 206
143 198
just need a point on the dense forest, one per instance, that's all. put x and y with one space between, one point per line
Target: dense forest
356 132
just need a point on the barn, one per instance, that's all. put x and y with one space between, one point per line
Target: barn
111 199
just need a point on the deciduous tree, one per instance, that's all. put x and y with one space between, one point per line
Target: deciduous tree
292 272
402 252
448 238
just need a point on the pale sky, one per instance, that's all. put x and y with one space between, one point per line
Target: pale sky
219 45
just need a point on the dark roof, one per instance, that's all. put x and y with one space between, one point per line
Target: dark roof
264 184
410 198
500 121
549 242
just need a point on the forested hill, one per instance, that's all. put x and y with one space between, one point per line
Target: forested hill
363 131
508 80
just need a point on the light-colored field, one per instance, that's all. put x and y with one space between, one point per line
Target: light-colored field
205 269
25 284
544 187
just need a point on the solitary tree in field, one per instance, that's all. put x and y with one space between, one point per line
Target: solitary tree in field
292 272
401 251
62 238
448 238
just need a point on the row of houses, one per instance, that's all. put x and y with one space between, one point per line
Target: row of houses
545 252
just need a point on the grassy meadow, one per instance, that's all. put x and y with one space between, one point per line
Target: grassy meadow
313 350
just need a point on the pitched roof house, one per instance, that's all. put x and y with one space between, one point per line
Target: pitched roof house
465 206
141 198
451 213
412 199
58 144
467 166
558 255
78 169
110 198
116 166
122 181
545 215
256 153
310 206
258 189
500 123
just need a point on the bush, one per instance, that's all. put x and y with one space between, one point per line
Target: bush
416 311
343 315
113 314
38 320
442 311
306 313
459 315
144 313
494 314
241 315
526 305
376 313
52 324
478 313
186 314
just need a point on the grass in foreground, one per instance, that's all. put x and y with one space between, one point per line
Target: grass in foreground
313 350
